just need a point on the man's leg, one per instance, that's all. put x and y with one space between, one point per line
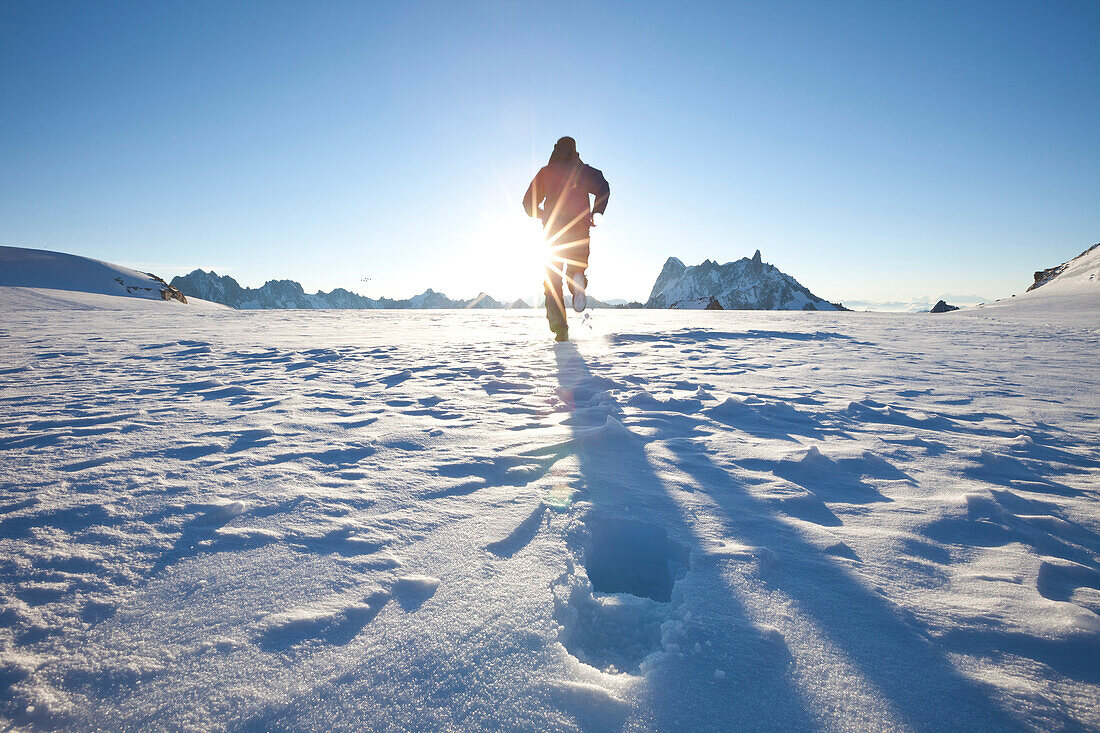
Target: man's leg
575 275
555 306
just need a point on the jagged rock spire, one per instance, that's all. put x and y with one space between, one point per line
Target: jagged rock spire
742 285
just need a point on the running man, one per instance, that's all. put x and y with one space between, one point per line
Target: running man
559 197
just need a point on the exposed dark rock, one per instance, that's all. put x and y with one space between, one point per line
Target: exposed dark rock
943 307
168 292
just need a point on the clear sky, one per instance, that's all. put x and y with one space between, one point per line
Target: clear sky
877 151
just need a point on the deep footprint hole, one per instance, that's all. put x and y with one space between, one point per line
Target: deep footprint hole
628 556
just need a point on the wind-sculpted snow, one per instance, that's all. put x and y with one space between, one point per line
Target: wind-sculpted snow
378 520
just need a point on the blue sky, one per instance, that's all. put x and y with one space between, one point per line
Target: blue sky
877 151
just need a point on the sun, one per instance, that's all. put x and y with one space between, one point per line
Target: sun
510 255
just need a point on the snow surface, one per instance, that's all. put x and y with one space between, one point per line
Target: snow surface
427 520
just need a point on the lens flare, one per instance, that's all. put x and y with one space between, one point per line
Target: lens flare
507 255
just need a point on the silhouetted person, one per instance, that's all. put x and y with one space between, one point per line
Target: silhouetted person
559 196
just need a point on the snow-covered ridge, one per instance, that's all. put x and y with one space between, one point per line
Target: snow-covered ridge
1083 268
39 268
1071 290
747 284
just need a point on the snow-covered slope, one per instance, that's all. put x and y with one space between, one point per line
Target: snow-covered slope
1070 291
40 268
1082 270
747 284
402 520
35 279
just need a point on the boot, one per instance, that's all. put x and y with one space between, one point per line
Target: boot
577 288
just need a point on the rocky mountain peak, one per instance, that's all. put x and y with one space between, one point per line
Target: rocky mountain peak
746 284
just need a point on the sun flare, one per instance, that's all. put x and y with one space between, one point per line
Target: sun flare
510 255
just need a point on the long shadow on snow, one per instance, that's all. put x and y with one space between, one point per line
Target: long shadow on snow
877 637
880 639
620 475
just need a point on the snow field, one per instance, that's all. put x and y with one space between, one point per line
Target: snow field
441 520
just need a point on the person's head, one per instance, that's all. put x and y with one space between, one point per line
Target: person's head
564 149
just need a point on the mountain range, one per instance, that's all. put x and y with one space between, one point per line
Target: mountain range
747 284
290 294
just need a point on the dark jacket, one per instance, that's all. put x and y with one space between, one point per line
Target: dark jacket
558 196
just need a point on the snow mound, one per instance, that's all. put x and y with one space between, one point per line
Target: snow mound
39 268
611 435
41 279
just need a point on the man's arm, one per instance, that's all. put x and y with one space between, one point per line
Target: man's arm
597 186
535 195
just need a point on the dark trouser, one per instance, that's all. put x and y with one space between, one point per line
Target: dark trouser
572 258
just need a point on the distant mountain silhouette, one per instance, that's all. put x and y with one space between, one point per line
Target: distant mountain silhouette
747 284
290 294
